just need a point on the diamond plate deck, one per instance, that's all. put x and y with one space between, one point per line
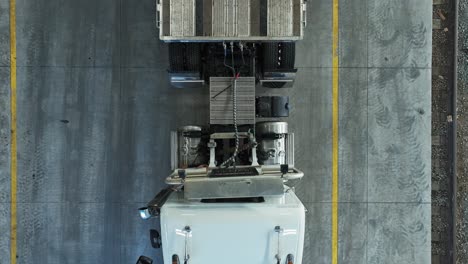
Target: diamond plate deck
221 105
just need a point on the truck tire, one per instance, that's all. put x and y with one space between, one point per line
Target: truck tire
288 55
270 56
176 57
193 57
184 57
278 56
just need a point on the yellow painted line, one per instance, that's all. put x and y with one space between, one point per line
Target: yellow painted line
13 146
335 134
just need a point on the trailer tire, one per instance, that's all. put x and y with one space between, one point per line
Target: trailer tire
279 56
270 56
193 57
288 55
176 57
184 57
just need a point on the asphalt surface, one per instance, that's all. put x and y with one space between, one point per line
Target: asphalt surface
442 63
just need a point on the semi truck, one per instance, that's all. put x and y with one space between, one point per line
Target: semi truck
229 197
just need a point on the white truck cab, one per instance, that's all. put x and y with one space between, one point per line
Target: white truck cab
259 230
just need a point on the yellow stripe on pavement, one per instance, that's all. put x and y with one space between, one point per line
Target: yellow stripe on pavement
335 134
13 146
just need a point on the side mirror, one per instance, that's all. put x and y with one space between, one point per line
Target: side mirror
144 213
144 260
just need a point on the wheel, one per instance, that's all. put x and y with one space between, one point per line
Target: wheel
288 54
270 56
176 57
279 56
193 57
184 57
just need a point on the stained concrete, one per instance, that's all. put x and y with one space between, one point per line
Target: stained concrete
353 134
4 33
5 237
399 111
353 36
398 233
68 33
313 155
399 33
141 46
353 243
5 135
95 111
318 218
